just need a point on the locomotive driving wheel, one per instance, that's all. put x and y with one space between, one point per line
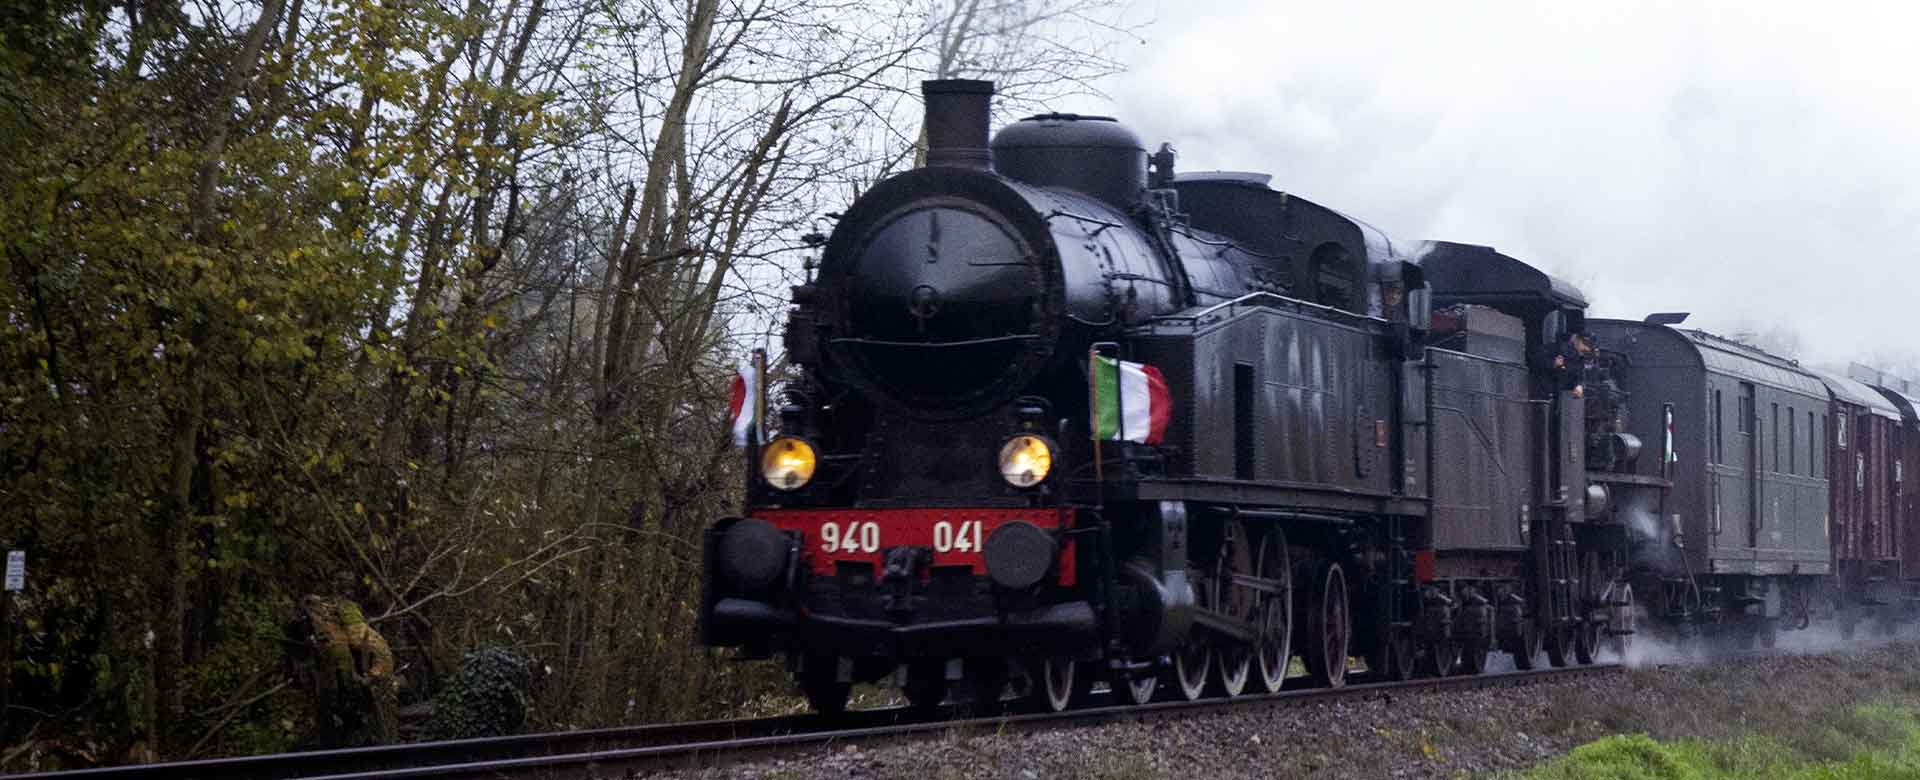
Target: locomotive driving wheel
1193 659
1275 649
1233 660
1329 625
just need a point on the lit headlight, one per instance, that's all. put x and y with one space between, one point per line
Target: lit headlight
787 463
1025 460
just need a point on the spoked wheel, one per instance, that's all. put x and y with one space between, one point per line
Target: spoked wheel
1619 635
1275 650
1051 684
926 685
819 681
1192 662
1559 642
1136 689
1400 657
1473 656
1232 660
1525 649
1442 659
1586 639
1233 665
1193 659
1329 626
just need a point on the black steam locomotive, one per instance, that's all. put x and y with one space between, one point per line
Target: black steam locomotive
1063 415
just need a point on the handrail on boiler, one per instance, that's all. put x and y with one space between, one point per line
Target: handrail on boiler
1267 299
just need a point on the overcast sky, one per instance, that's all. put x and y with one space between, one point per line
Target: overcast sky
1757 164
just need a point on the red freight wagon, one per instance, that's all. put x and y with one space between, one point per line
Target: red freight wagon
1860 469
1906 448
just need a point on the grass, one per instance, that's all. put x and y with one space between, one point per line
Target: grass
1869 742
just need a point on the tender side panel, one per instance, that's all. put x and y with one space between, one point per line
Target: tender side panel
1280 396
1482 470
1415 428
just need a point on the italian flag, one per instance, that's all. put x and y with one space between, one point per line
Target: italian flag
743 408
1130 401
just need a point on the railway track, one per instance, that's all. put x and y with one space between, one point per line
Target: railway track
612 752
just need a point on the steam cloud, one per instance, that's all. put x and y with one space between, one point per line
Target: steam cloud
1751 163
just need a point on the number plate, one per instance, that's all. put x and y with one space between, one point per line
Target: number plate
956 536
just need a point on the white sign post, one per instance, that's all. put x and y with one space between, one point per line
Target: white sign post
16 580
16 570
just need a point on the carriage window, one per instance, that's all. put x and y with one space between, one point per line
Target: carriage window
1776 438
1840 429
1816 446
1793 442
1746 414
1718 423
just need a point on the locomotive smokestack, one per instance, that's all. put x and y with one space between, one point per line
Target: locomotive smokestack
958 111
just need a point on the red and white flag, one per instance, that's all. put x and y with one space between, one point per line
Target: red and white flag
743 411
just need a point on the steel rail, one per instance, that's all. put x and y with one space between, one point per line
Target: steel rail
346 761
711 743
700 755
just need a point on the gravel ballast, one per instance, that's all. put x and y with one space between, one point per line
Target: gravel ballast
1440 734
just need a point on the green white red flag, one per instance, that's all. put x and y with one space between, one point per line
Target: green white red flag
1131 402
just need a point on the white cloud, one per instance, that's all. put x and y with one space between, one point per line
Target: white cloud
1755 163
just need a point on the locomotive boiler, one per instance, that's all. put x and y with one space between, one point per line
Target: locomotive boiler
1060 416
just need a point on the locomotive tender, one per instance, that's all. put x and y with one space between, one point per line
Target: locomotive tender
1409 455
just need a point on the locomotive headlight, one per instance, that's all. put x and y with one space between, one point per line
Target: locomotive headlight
1025 460
787 462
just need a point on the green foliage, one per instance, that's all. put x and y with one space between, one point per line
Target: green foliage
487 698
245 371
1873 742
355 299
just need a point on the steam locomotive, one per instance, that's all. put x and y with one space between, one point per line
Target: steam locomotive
1060 415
